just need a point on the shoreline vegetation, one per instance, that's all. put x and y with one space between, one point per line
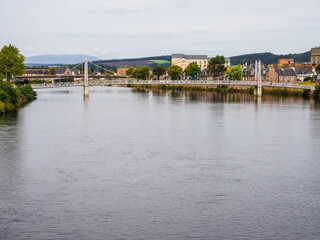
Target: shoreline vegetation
284 92
12 98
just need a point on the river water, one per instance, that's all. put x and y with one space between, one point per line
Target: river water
136 164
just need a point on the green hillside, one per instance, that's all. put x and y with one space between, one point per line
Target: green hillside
269 58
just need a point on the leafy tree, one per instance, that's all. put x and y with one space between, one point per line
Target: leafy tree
11 61
159 71
110 72
90 70
175 72
141 73
216 66
130 71
52 71
102 71
318 68
193 70
235 73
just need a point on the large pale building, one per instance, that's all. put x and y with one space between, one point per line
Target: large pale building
315 55
183 60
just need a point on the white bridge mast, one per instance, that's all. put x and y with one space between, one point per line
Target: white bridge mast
86 80
258 78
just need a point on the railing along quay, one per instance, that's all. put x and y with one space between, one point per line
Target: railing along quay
172 82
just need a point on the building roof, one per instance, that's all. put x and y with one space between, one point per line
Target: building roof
249 72
285 72
60 70
303 70
38 71
180 55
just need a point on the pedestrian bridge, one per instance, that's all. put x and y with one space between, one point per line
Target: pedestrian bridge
206 83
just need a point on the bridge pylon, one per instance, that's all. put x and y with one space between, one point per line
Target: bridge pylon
257 75
86 80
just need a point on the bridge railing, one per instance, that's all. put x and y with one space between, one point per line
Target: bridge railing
172 82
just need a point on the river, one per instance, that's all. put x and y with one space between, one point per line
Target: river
137 164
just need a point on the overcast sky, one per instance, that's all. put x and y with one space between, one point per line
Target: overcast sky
136 28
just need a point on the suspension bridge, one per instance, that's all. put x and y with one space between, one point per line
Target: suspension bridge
86 81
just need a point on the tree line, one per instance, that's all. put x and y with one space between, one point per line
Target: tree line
12 97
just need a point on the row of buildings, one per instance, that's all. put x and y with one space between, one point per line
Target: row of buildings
42 71
286 70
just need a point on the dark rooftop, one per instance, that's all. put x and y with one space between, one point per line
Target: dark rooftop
285 72
180 55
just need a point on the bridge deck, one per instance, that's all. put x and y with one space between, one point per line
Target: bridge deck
172 82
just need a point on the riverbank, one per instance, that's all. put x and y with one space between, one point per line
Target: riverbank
11 99
225 89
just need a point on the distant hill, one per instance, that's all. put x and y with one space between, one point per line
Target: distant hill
137 62
58 59
269 58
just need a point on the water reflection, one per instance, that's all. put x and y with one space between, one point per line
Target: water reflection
145 164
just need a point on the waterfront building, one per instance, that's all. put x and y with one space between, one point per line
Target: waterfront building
36 71
285 62
282 75
121 71
303 72
183 60
315 55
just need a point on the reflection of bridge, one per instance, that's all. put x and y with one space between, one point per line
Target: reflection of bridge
208 83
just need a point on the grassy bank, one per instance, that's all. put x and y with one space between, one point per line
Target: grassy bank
12 98
285 92
219 88
224 89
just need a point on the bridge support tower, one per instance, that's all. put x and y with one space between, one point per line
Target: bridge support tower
86 80
257 73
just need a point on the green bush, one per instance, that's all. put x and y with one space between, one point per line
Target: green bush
316 92
28 92
12 98
251 90
13 93
285 92
4 97
9 107
306 94
1 108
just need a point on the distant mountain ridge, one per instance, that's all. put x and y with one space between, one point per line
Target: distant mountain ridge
59 59
269 58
